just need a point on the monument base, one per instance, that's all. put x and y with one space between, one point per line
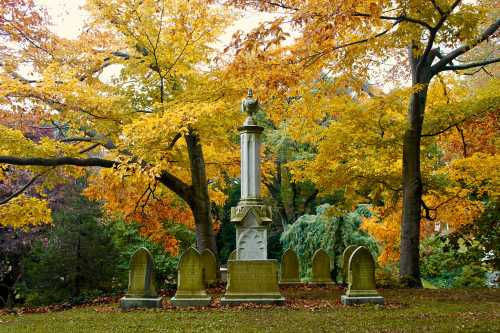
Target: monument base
187 302
289 283
252 281
136 302
351 300
321 282
259 299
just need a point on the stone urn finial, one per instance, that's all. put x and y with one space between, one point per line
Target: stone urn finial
249 104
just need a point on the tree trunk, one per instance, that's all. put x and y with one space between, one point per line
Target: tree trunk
200 201
409 270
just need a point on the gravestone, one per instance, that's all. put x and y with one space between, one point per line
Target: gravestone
232 255
289 273
321 268
345 260
209 266
190 281
141 291
252 281
251 276
361 279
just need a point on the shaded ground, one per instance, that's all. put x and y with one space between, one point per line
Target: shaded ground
306 310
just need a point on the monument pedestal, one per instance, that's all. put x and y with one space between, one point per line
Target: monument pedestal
351 300
183 301
139 302
252 281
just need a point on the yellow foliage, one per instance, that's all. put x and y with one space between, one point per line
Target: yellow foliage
25 212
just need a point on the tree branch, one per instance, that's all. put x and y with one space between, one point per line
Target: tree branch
433 33
470 65
179 187
24 188
427 211
318 55
400 18
445 60
58 161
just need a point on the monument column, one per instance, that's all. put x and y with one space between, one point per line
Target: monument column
250 216
251 276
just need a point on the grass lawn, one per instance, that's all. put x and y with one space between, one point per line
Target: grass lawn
306 310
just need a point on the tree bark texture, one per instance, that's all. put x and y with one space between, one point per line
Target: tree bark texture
200 201
409 270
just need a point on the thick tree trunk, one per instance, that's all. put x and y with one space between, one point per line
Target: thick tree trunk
200 201
409 271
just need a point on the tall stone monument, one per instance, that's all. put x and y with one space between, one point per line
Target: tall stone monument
361 278
141 291
251 276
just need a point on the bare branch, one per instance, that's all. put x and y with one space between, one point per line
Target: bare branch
462 136
470 65
25 187
445 60
89 148
400 18
427 211
58 161
77 139
440 11
433 33
447 128
174 141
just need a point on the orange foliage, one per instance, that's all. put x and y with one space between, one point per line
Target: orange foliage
135 199
478 133
385 223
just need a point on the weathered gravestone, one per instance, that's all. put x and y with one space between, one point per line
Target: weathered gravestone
209 266
254 281
141 283
361 278
345 260
190 282
289 273
321 268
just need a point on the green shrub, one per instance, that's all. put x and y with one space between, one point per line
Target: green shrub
331 233
448 267
127 240
76 257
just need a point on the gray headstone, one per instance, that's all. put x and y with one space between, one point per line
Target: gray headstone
321 267
209 266
141 277
345 260
361 277
142 291
190 281
289 267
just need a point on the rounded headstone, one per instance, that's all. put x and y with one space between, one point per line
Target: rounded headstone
289 267
321 267
361 273
345 260
141 276
209 266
